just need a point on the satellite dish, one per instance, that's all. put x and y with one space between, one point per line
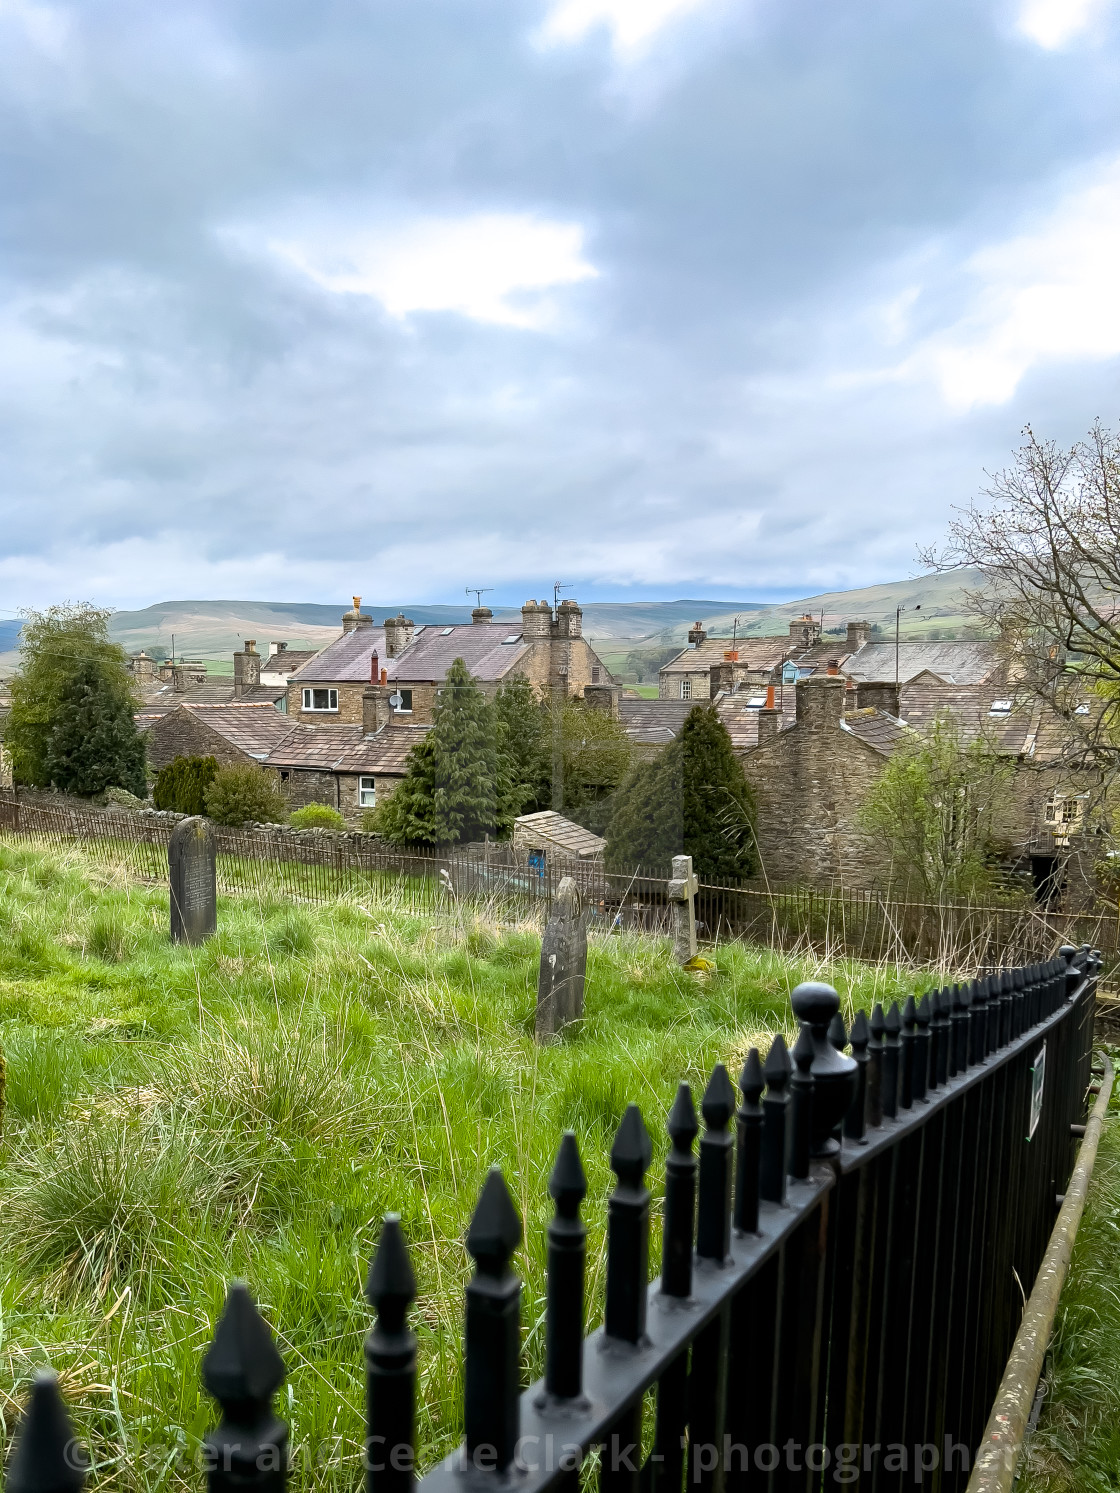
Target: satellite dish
396 700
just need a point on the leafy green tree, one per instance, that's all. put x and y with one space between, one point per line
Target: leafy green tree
93 742
54 644
244 795
933 813
182 784
691 800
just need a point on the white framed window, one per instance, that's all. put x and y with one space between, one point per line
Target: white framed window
405 707
1066 811
367 793
320 699
686 689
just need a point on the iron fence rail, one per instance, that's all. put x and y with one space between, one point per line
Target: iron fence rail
317 867
844 1258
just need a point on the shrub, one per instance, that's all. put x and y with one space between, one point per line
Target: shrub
244 795
317 816
182 784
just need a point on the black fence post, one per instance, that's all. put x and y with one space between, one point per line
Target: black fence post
247 1452
46 1456
567 1249
855 1121
717 1155
680 1197
390 1350
748 1156
492 1337
801 1096
875 1050
924 1018
627 1277
892 1053
907 1039
775 1123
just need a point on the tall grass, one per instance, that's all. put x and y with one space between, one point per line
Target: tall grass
253 1107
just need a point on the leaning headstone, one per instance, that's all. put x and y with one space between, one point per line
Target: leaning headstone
563 963
682 894
193 862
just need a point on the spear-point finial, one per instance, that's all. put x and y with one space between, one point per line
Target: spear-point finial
682 1124
391 1284
777 1067
242 1363
861 1033
495 1227
632 1150
718 1103
837 1034
567 1186
46 1457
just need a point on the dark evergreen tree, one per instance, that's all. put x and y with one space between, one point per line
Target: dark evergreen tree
645 828
407 816
596 756
718 807
692 799
455 788
182 784
93 742
465 760
524 750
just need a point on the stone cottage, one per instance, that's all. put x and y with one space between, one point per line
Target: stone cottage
409 663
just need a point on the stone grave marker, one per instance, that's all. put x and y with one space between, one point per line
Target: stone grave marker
682 894
193 863
563 963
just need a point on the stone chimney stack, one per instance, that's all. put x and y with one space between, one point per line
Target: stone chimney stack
696 635
833 667
858 634
602 697
399 632
769 722
355 620
536 620
143 668
376 711
480 616
804 631
569 619
246 668
820 701
878 694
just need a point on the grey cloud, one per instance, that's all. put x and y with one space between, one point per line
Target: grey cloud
746 205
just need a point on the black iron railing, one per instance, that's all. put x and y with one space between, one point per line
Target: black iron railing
845 1256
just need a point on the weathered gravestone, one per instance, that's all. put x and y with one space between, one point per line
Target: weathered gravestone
563 963
193 863
682 894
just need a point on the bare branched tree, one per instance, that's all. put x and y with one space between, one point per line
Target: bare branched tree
1045 535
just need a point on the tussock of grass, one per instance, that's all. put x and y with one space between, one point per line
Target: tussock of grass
253 1107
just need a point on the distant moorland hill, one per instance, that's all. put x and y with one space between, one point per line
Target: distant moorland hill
213 629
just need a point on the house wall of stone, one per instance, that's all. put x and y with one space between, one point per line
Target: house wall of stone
669 685
304 786
180 733
349 705
811 782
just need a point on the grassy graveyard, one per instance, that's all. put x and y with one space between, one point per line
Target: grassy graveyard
177 1117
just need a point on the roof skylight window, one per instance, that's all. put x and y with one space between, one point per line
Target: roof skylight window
756 702
446 631
1000 707
513 638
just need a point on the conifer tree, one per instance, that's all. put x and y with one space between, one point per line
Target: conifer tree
93 742
691 800
455 789
523 750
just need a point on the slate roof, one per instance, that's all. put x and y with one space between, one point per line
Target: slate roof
427 658
252 729
970 661
481 646
754 653
876 729
218 691
653 722
741 719
342 748
346 659
288 660
548 830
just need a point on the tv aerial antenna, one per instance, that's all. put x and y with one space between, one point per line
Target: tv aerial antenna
477 592
556 590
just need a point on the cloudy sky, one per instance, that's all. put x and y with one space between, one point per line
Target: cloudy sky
661 298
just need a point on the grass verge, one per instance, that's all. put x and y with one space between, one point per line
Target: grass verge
252 1108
